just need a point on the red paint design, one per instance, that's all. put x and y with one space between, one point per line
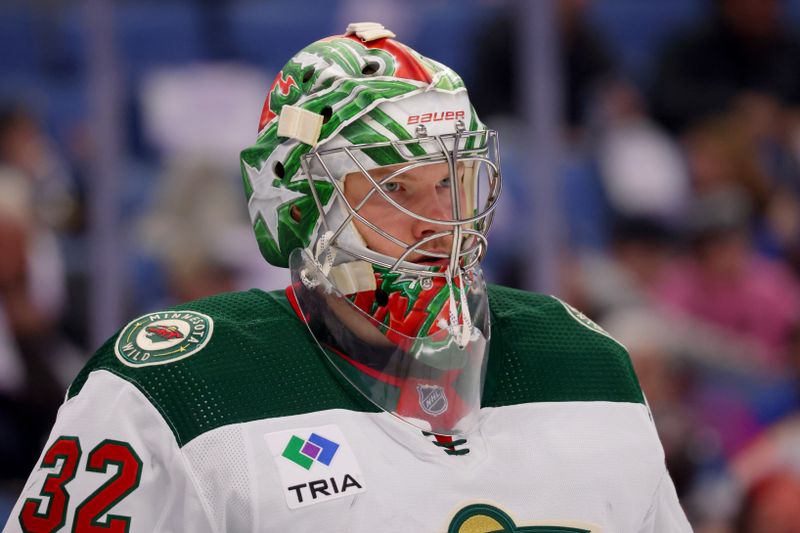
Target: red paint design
407 322
286 84
292 297
266 113
408 66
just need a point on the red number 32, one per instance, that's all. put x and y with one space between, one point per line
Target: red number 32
88 513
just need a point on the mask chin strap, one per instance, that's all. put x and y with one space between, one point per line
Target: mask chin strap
323 245
348 278
325 266
462 332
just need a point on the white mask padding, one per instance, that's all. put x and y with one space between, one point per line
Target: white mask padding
324 248
349 238
461 331
300 124
368 31
352 277
324 264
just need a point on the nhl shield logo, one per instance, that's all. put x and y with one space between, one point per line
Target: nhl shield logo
432 399
165 337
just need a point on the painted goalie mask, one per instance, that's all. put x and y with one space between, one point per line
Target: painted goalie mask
399 308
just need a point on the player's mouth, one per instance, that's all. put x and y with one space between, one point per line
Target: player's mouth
430 261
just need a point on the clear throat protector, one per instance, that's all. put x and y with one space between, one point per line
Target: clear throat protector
419 352
392 291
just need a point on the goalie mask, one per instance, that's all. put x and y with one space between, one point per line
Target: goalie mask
373 180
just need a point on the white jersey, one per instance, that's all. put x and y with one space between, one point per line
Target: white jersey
186 422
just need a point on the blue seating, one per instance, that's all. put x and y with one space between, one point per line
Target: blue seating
159 33
17 40
268 33
447 32
636 31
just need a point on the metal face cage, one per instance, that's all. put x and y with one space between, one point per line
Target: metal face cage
476 151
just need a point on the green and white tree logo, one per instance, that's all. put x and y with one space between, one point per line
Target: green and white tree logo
164 337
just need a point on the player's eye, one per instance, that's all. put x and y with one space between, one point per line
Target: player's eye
445 183
390 187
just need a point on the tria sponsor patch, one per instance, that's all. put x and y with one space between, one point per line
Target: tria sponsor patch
163 337
314 465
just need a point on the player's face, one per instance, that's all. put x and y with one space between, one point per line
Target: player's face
423 190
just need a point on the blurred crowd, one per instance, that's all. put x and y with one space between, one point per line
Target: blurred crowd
680 193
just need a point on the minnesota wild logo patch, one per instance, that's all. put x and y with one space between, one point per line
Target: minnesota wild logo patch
164 337
484 518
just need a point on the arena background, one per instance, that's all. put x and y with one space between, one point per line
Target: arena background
650 156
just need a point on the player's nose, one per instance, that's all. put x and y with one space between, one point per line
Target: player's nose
435 206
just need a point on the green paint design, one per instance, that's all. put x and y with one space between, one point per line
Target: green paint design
397 130
276 98
436 305
248 187
473 124
392 282
291 233
350 55
360 133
